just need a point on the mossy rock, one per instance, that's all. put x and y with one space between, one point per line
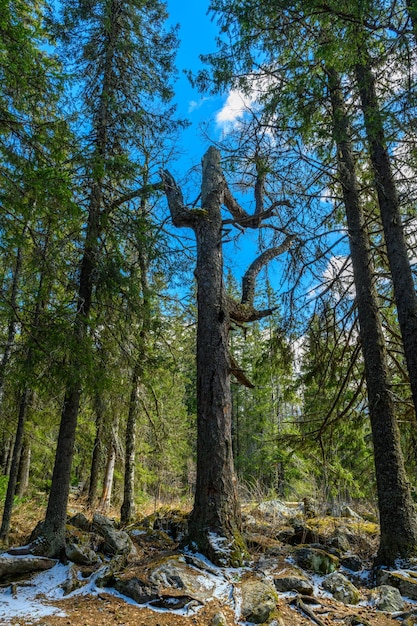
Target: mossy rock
341 588
259 600
316 560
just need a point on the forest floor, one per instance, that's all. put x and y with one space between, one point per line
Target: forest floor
108 609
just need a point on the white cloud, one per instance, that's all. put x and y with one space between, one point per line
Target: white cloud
338 276
194 105
234 108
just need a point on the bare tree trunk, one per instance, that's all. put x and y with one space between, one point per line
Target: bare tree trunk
24 469
97 451
127 511
105 499
128 507
399 263
215 521
398 536
7 454
11 328
14 468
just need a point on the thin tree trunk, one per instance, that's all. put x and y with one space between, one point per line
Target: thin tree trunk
14 468
11 328
128 507
412 12
127 511
97 452
399 263
105 499
52 540
24 469
398 536
7 454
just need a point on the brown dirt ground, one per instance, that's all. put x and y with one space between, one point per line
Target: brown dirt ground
108 610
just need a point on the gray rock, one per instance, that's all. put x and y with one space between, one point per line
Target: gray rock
316 560
137 589
72 581
276 508
80 521
340 542
81 555
106 575
259 600
116 541
174 572
387 598
291 579
404 580
352 562
347 511
341 588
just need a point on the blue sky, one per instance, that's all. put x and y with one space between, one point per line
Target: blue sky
197 36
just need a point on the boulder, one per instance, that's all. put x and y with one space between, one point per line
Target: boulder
73 580
316 560
139 590
292 579
387 598
115 541
403 580
352 562
276 508
81 554
347 511
341 588
259 600
106 575
79 520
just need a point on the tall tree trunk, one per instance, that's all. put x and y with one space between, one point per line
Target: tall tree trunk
127 511
215 521
397 515
25 400
11 327
97 451
24 468
128 507
399 263
105 499
216 513
52 540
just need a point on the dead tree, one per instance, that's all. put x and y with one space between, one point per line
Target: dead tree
215 522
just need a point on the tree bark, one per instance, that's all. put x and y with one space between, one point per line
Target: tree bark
215 522
128 506
399 263
105 499
398 536
24 469
97 452
14 468
52 540
11 327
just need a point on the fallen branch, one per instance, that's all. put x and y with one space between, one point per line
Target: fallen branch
301 605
